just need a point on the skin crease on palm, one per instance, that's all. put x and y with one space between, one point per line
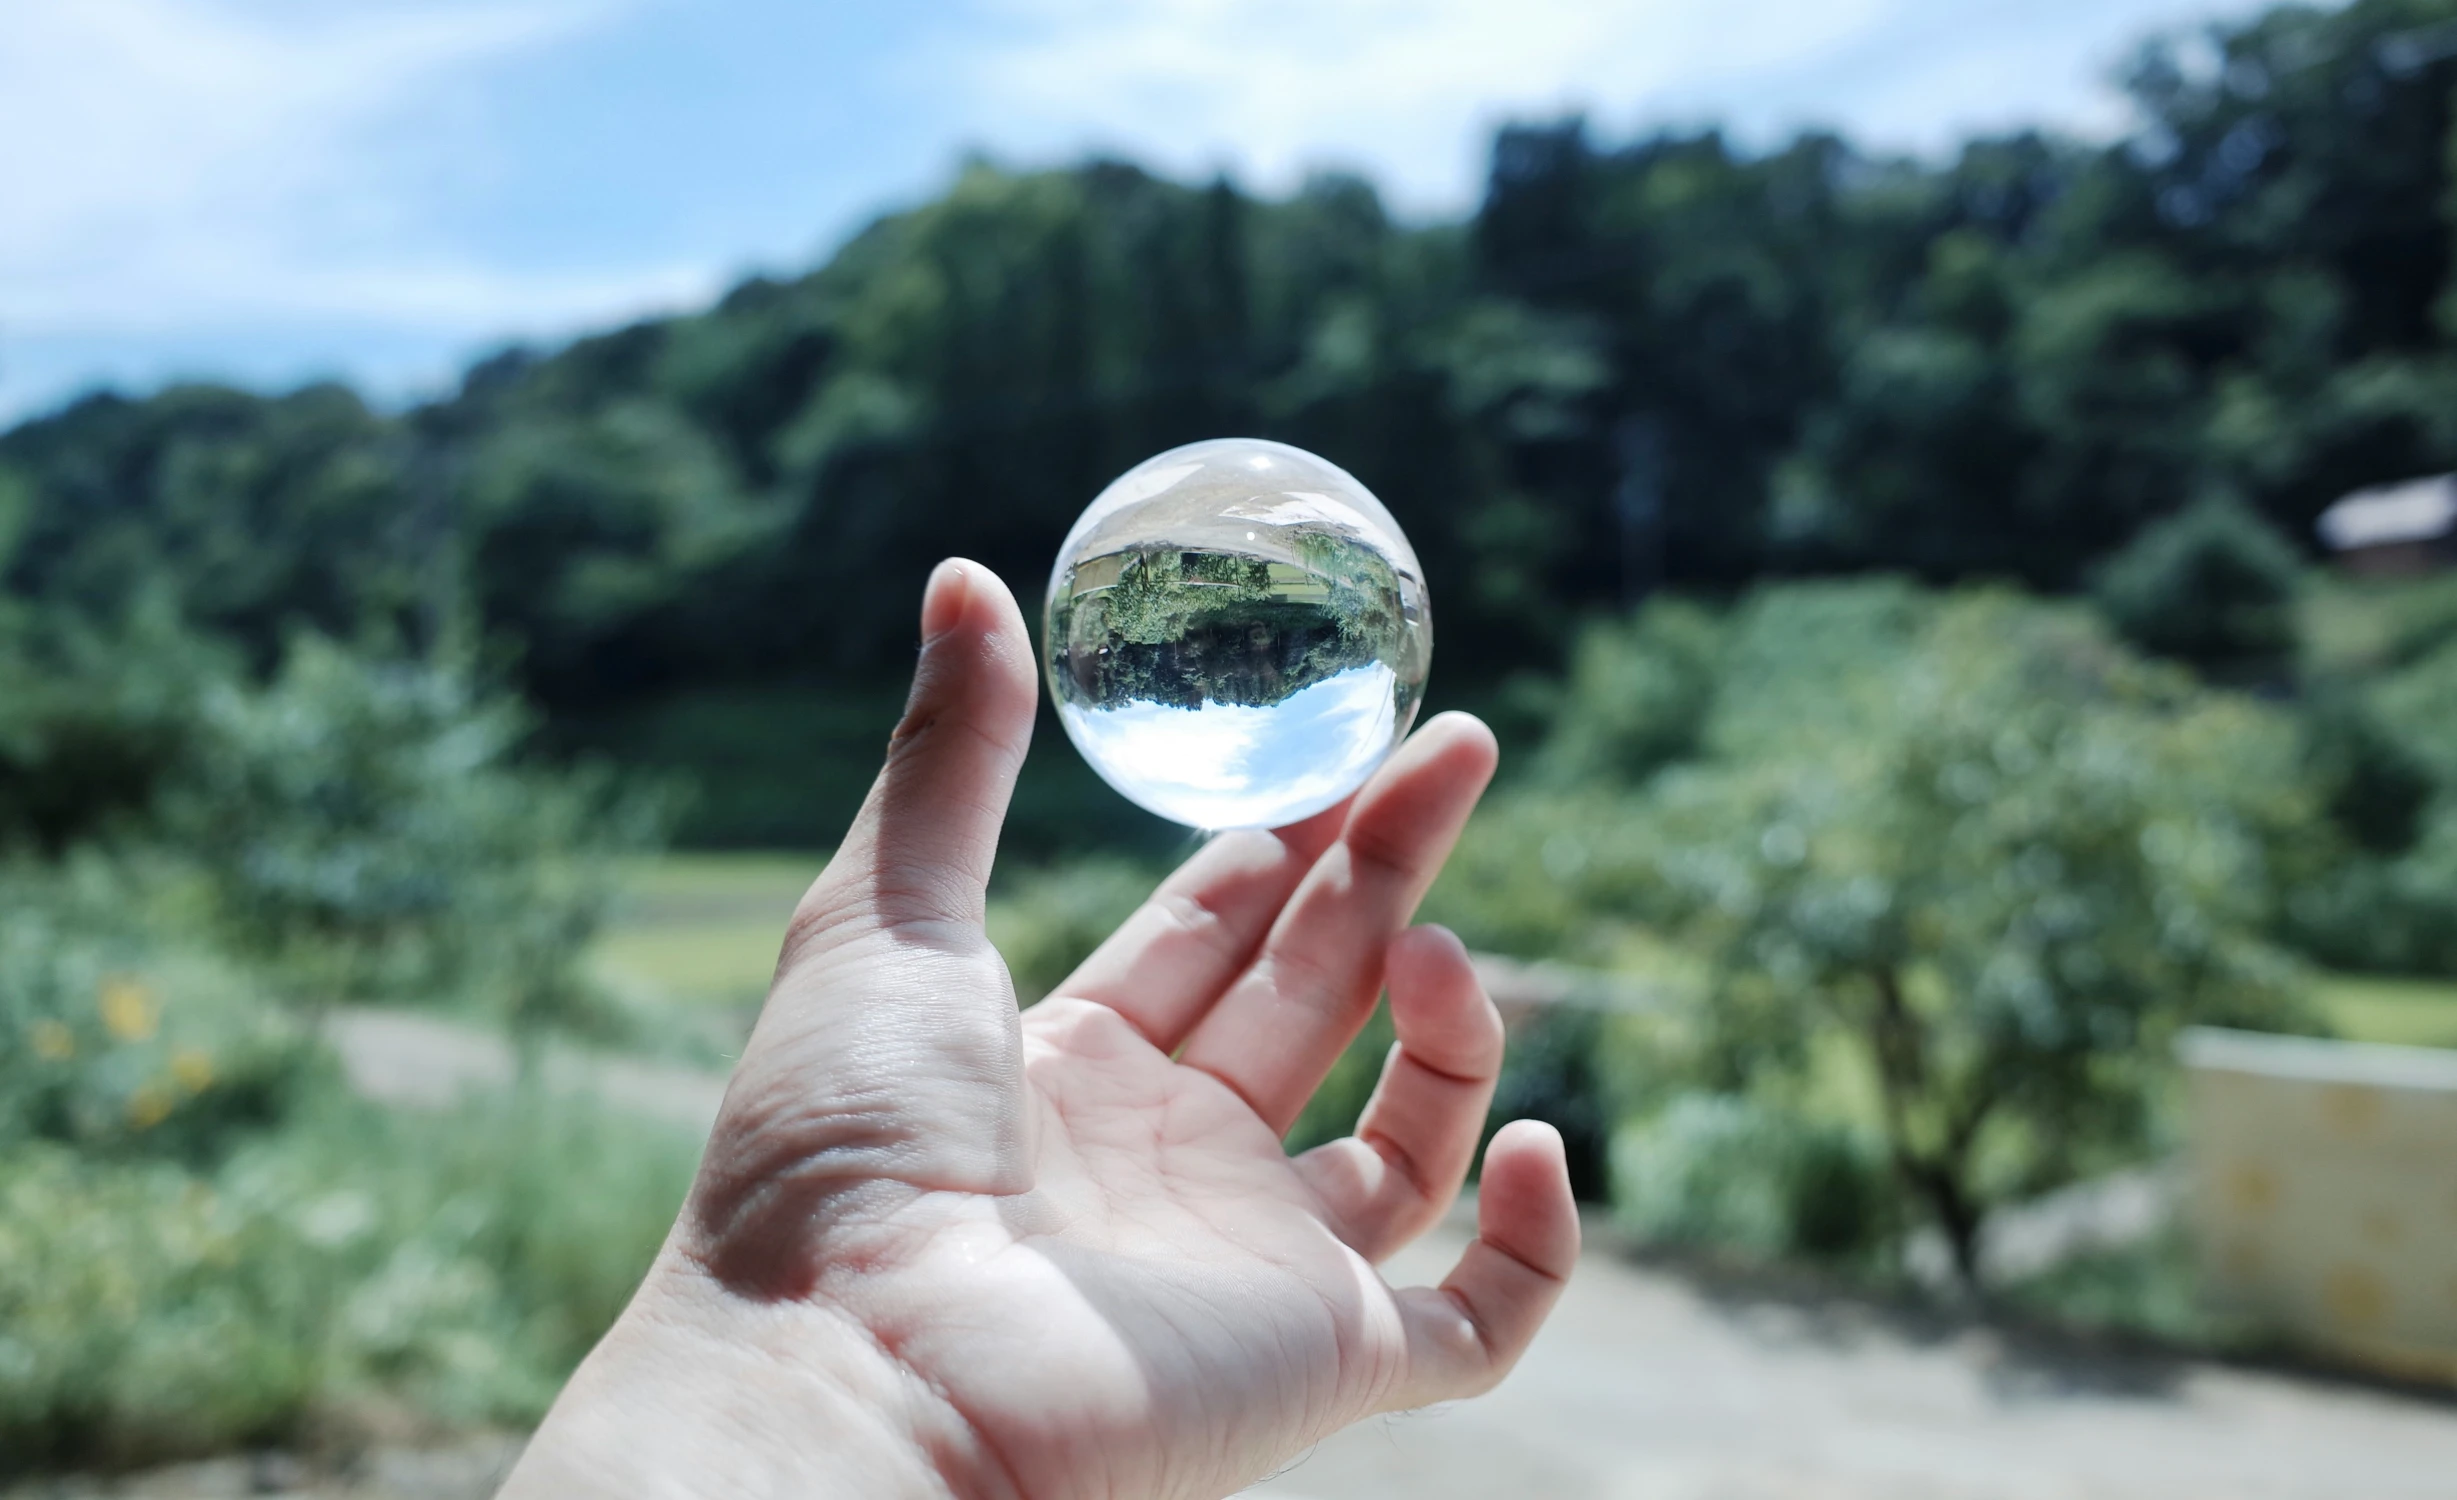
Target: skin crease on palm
938 1249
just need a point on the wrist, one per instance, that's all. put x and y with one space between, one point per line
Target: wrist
697 1392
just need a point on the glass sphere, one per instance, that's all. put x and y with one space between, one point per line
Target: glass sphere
1237 634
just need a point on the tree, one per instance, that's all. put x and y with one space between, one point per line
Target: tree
2214 586
1996 854
362 828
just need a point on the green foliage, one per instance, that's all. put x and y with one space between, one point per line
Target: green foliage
214 818
2149 1290
360 825
1165 625
1641 691
1337 1105
363 825
2010 890
461 1264
1725 1173
1048 920
1968 838
93 719
115 1043
204 1243
2213 585
2381 713
255 515
1557 1070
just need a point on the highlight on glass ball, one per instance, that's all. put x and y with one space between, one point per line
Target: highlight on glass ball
1237 634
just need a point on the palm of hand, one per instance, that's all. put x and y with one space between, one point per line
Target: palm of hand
1164 1311
1068 1249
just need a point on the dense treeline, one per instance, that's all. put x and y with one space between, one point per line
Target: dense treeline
1670 361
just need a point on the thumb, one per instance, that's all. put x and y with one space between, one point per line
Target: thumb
898 1059
919 852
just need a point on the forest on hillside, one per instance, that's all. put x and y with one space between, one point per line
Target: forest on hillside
1667 362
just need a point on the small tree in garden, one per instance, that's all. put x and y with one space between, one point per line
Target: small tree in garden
367 827
2004 857
2213 585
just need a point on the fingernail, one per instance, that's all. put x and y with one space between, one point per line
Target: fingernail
942 600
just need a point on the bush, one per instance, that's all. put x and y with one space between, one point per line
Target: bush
361 825
93 719
2213 585
1541 873
459 1265
1554 1071
1724 1172
1637 696
2379 748
2386 914
203 1242
114 1043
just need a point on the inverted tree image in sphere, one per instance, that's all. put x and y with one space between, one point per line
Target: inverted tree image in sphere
1237 634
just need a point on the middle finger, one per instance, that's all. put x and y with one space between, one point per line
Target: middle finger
1281 1024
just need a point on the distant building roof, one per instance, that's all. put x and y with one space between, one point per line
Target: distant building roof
2418 510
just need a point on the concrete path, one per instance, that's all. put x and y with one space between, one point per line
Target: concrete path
422 1061
1647 1387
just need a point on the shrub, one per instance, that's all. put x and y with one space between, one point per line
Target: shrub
457 1264
203 1242
2379 751
1637 696
362 825
1725 1172
116 1043
1554 1071
93 719
2213 585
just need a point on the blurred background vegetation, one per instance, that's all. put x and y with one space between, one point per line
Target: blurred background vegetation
1894 583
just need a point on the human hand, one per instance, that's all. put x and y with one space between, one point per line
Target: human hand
938 1249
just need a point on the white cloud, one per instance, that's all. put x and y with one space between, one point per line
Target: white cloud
186 163
1231 765
1409 88
189 185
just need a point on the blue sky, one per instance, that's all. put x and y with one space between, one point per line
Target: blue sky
275 190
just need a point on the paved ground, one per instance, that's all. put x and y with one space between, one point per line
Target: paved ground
424 1061
1647 1387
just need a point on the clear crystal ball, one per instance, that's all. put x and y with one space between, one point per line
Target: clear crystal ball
1236 634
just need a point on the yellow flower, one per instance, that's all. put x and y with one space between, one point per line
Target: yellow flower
128 1010
54 1042
148 1105
193 1069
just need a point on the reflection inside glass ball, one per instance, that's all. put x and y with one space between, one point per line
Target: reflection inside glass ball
1237 634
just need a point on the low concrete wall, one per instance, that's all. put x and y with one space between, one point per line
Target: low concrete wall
2324 1192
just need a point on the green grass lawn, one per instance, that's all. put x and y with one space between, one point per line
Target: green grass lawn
2371 1008
703 929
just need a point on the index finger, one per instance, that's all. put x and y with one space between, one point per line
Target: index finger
1167 962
